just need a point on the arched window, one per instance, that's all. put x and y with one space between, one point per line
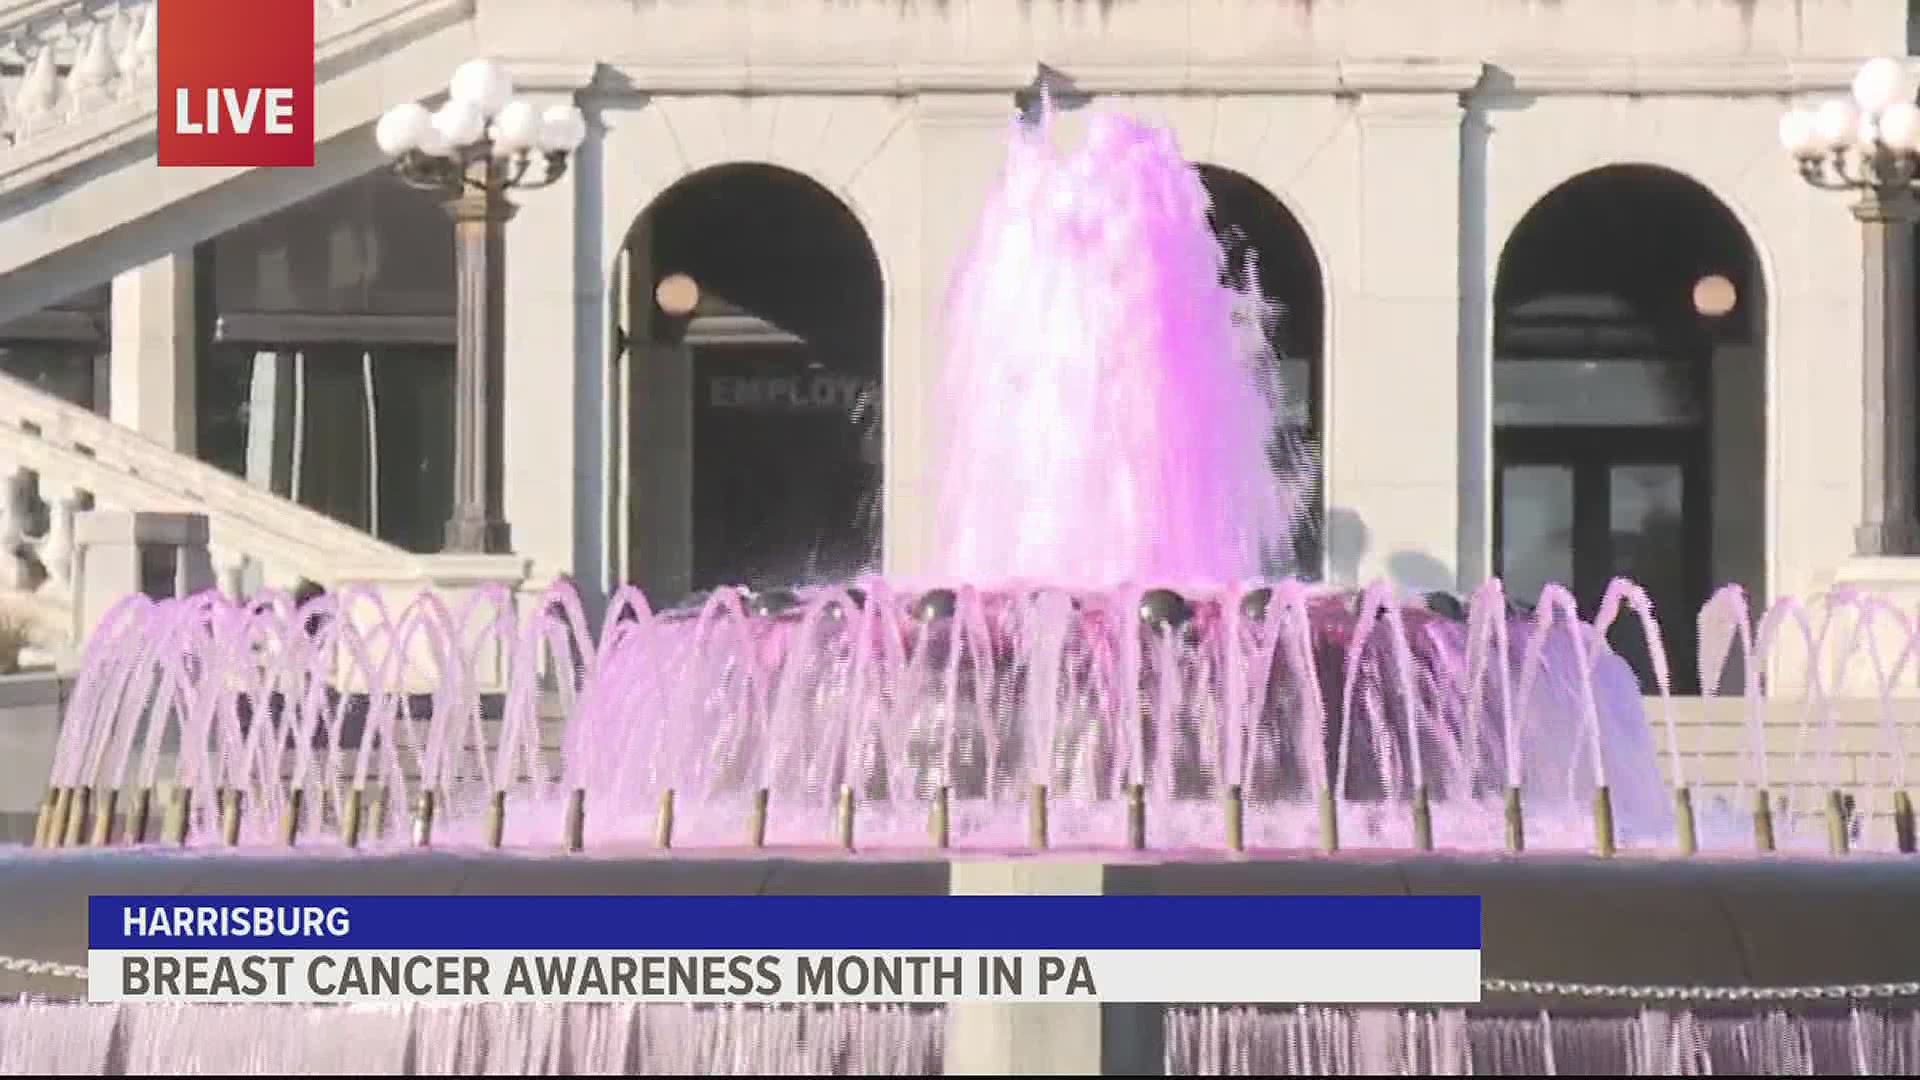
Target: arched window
1267 249
752 302
1629 381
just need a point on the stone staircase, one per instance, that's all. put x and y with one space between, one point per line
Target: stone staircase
58 460
82 199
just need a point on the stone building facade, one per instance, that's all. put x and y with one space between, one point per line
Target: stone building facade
1558 306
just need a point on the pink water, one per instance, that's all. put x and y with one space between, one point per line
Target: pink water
667 1040
1116 406
892 698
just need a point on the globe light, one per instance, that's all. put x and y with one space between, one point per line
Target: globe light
434 144
1866 137
1878 85
483 84
1798 135
677 295
402 129
460 122
517 128
1714 296
562 130
1900 126
1836 124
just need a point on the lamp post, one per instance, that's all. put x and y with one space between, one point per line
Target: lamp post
476 148
1870 146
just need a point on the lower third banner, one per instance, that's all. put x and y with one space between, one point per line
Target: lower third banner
1172 950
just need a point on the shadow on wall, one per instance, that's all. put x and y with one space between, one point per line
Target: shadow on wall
1348 541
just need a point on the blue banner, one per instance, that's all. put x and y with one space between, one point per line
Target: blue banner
785 922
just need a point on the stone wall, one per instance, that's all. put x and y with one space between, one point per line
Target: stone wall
30 709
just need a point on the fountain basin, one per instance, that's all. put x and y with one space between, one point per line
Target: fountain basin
1626 920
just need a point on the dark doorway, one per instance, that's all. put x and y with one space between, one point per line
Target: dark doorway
755 301
327 357
1629 376
64 350
1267 249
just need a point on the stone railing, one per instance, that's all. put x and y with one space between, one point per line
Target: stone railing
57 460
72 59
67 64
36 535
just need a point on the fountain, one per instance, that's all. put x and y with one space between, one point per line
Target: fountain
1109 657
1101 630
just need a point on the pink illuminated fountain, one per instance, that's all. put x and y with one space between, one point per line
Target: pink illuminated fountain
1101 630
1128 405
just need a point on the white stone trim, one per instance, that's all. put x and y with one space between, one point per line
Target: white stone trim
1729 76
618 78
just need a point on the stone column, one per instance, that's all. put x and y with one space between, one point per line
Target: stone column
558 345
963 144
155 343
1476 267
1394 508
121 552
480 217
1048 1040
1887 525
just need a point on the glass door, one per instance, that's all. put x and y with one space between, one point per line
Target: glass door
361 433
785 476
1582 510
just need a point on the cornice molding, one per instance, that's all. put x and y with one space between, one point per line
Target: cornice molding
910 77
552 75
1733 76
617 77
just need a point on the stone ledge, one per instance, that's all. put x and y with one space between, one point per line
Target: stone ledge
32 688
1703 921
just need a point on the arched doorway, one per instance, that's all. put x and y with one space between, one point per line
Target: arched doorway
751 306
1629 402
1267 248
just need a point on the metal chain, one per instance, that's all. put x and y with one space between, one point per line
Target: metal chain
1710 994
42 967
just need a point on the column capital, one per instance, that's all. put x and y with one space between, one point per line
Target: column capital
1411 108
967 110
551 77
1446 79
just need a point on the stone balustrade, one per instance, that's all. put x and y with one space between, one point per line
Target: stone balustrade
36 536
39 558
63 62
57 461
77 60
